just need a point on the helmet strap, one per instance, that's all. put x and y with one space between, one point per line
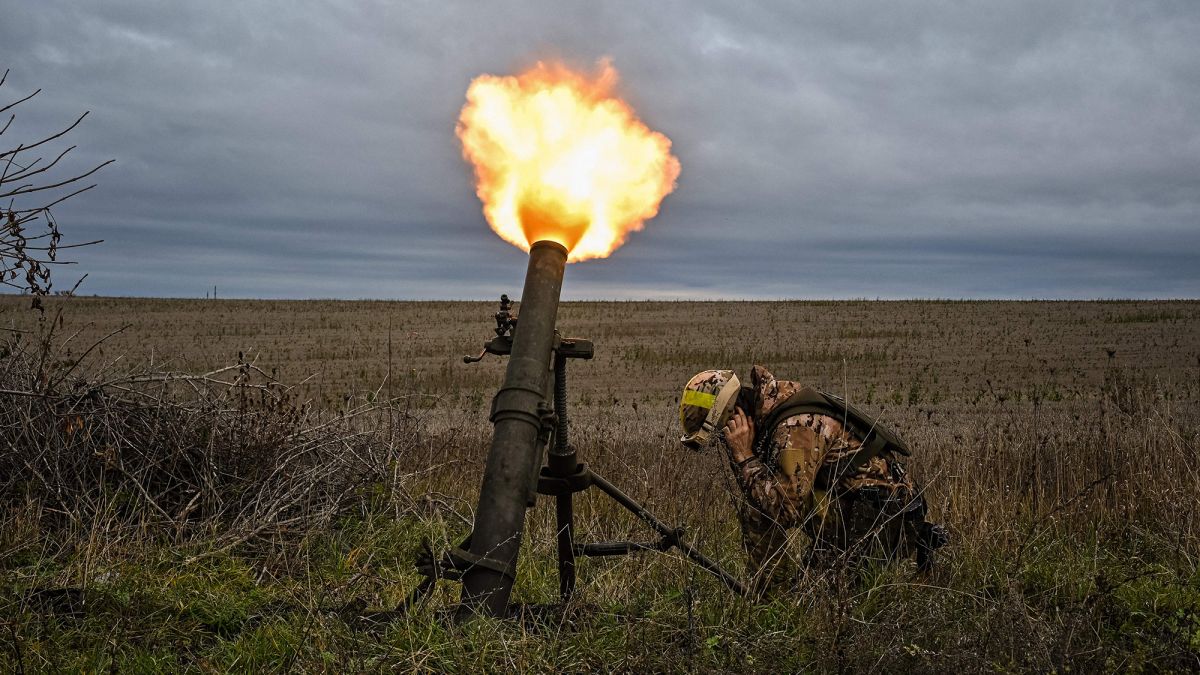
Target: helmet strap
727 394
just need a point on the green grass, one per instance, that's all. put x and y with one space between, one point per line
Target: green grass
1088 600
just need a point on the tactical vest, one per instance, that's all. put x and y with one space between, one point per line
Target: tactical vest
876 439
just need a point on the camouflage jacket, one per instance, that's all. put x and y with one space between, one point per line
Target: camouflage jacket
791 495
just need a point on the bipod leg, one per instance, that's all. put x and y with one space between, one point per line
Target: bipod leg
562 478
429 565
565 515
562 463
434 567
670 534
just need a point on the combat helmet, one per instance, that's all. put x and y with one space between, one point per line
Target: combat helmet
708 399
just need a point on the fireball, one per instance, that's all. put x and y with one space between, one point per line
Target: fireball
558 156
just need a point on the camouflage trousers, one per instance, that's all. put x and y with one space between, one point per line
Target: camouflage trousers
845 532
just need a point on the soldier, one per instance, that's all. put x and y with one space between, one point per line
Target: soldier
807 459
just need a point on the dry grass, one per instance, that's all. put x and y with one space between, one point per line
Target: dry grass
913 353
1058 442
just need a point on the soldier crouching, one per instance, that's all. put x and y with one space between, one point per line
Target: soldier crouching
807 459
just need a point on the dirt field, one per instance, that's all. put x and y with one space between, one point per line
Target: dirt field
1057 441
897 354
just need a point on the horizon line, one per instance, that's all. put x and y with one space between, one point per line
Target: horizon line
236 298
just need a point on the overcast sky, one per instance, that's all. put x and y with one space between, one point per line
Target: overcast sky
926 149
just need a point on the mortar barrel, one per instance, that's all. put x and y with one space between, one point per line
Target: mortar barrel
515 453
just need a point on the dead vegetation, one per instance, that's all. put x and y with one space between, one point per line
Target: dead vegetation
229 454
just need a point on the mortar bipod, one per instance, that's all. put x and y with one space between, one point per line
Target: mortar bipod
563 489
564 475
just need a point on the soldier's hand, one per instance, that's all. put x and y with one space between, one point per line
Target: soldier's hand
739 435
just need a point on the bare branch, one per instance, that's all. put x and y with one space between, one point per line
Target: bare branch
28 169
59 248
45 140
54 383
28 190
20 101
26 172
32 256
60 200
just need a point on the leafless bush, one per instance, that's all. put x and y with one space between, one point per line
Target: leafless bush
229 453
26 259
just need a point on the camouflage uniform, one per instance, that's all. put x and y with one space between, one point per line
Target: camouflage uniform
860 517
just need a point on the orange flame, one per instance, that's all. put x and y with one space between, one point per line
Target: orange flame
557 156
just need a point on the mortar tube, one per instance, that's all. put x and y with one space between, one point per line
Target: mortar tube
515 452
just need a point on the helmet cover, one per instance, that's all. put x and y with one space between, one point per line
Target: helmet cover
705 405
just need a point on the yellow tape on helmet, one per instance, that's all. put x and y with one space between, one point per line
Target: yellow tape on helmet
698 398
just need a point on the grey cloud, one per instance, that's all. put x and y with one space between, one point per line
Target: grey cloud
306 149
